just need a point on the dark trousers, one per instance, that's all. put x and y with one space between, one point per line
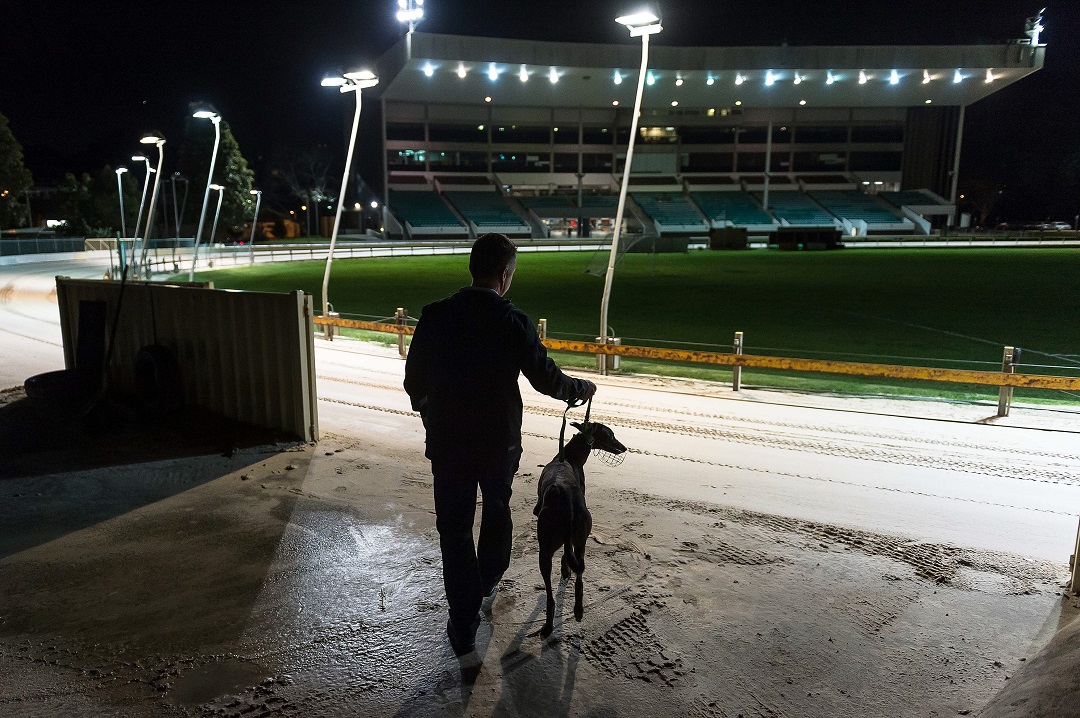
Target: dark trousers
471 570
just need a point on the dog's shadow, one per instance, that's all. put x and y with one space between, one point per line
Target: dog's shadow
539 685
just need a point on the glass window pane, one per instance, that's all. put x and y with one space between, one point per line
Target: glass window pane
405 131
458 133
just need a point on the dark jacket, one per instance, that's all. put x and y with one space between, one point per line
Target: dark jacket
462 372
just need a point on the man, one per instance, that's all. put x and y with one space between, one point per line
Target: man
462 376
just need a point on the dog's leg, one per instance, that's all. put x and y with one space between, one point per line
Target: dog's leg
545 571
566 562
547 529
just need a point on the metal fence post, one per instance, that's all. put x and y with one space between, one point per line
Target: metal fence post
1005 393
1074 584
541 329
736 371
400 320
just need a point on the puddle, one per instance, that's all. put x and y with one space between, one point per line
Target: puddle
203 684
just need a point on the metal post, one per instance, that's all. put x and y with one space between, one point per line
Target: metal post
1005 393
768 167
956 160
216 119
622 201
153 204
254 228
400 316
1074 584
217 213
120 192
736 371
541 329
340 204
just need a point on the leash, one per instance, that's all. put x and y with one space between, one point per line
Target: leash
585 426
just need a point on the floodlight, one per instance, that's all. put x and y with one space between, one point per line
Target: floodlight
926 77
254 192
674 103
711 80
493 72
643 17
770 78
957 77
862 77
152 138
139 158
429 70
989 75
739 79
798 79
217 187
333 82
362 79
678 81
374 204
121 170
553 76
617 79
650 79
830 78
894 78
802 102
523 74
461 71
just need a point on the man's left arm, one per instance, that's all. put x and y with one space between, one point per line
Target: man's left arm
418 366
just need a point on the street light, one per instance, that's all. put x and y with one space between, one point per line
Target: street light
146 183
205 112
120 193
152 138
254 225
354 82
640 24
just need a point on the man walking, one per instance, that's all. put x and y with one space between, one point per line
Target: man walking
462 376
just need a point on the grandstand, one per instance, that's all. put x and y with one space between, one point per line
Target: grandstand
488 212
797 210
424 213
491 123
671 211
735 209
861 212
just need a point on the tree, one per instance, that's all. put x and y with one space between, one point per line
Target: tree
15 178
231 171
306 175
89 206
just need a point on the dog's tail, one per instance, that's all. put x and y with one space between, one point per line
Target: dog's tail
573 560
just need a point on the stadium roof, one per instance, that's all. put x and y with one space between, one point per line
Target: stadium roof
468 70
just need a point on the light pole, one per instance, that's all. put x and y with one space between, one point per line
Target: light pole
353 82
120 193
217 213
205 112
152 138
146 183
641 24
254 226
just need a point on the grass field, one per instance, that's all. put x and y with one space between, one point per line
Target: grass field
955 307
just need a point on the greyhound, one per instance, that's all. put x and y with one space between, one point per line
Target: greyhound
563 519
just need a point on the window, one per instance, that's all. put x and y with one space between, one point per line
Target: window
596 163
894 133
596 135
519 162
658 135
536 135
405 159
405 131
708 162
876 161
819 135
751 162
819 161
458 133
460 161
707 135
566 162
753 135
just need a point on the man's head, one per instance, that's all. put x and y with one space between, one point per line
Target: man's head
492 262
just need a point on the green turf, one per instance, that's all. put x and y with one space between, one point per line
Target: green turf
904 306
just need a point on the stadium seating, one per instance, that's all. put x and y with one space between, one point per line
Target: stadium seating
798 209
600 201
909 197
488 211
670 209
735 207
539 204
424 211
853 204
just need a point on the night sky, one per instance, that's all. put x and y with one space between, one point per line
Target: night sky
81 81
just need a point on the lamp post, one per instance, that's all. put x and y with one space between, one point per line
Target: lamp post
254 226
641 24
152 138
146 183
205 112
220 189
120 193
353 82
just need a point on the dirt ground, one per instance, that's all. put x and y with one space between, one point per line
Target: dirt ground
760 555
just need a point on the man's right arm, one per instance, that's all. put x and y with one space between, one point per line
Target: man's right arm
418 365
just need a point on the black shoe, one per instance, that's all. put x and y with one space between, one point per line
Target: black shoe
462 642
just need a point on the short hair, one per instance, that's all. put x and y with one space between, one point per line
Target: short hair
491 254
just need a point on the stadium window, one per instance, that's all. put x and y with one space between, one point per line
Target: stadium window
751 162
819 161
658 135
567 135
405 131
781 135
893 133
707 135
522 134
596 162
876 161
519 162
457 133
821 135
405 159
597 135
622 136
753 136
780 162
460 161
708 162
566 162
